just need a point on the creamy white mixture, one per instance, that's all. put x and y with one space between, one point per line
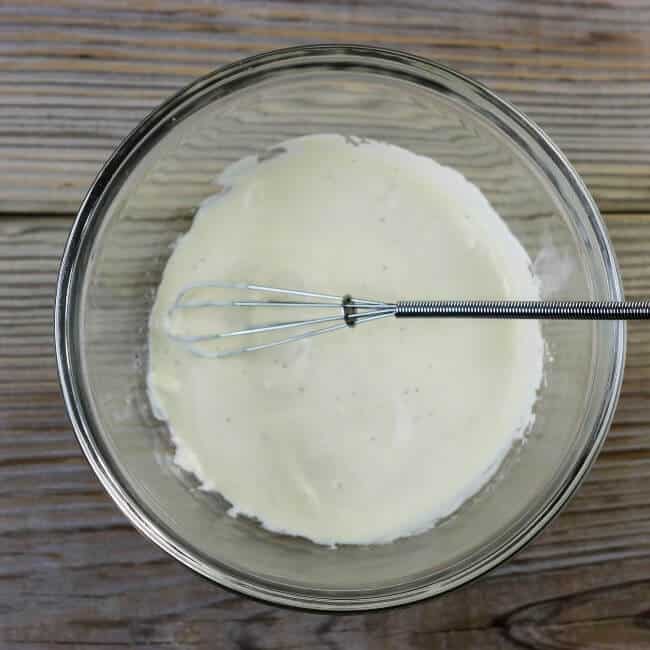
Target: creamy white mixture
367 434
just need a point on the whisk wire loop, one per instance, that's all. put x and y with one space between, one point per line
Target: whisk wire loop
350 312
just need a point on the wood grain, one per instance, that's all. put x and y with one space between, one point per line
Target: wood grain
75 574
76 77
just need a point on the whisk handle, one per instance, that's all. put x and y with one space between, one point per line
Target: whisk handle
524 309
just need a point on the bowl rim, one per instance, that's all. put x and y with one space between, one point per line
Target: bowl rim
71 382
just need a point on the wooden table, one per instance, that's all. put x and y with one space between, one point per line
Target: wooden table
75 77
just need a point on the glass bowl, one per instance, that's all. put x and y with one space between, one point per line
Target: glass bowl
145 197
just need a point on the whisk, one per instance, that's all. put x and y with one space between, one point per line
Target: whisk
347 312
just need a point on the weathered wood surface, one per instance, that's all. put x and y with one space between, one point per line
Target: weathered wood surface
75 573
75 76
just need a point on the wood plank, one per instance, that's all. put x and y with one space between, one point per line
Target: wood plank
74 573
75 78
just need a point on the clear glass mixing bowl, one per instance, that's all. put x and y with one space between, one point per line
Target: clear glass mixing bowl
145 197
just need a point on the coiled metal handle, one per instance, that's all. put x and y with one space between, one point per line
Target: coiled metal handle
524 309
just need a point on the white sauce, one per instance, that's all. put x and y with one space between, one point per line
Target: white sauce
369 434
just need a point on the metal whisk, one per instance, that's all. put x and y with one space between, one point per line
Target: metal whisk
350 312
